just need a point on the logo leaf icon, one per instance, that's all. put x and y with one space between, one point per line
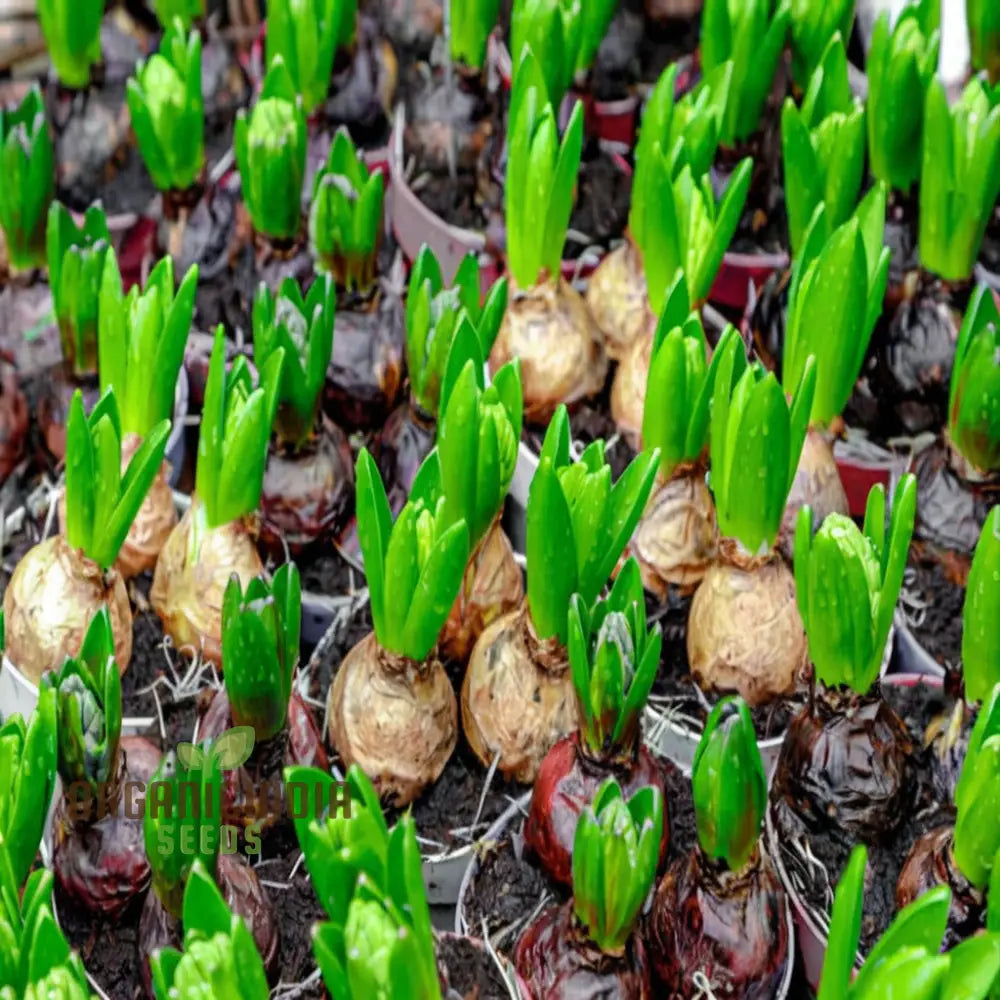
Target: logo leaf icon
190 756
233 748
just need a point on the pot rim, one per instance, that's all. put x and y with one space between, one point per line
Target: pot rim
132 725
518 807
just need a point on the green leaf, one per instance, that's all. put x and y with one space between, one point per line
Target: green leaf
980 639
374 529
845 929
551 551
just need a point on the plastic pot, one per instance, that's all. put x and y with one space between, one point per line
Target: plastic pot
810 926
516 813
740 271
858 478
18 694
414 224
676 737
911 657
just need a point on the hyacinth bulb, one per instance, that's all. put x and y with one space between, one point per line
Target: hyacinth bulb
52 596
517 697
617 299
745 633
395 718
191 575
560 348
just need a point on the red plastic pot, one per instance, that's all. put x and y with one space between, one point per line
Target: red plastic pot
811 934
741 270
858 478
611 122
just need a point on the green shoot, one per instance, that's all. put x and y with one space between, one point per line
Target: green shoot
101 503
414 567
28 160
141 341
235 429
345 220
578 524
847 583
301 326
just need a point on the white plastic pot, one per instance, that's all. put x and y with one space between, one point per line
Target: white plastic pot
18 694
677 738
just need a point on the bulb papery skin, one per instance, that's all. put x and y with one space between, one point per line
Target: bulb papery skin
730 926
191 576
395 718
745 633
557 962
156 518
52 596
845 762
628 387
616 297
931 863
676 539
493 585
308 494
816 483
517 696
567 782
560 348
101 864
245 897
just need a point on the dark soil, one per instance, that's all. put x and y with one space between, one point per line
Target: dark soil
327 658
445 813
325 571
110 952
508 886
471 973
295 905
929 807
938 626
